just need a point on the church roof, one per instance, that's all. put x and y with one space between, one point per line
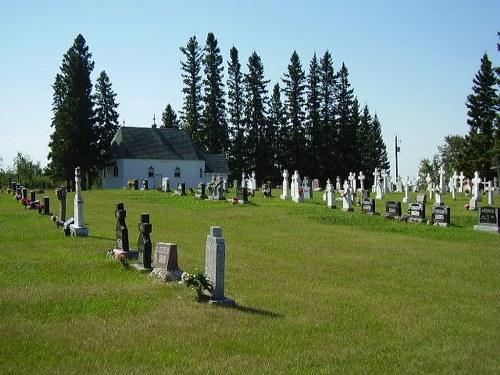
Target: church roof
216 163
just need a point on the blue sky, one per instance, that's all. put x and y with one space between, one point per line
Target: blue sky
412 62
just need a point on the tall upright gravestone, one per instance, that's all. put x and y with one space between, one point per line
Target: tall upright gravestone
215 257
122 241
78 228
144 245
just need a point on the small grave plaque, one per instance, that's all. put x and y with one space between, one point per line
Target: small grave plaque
441 215
489 219
417 212
393 208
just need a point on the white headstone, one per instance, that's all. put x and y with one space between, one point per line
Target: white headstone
361 178
442 182
461 179
78 228
376 179
286 187
347 197
330 199
406 199
337 185
297 195
491 192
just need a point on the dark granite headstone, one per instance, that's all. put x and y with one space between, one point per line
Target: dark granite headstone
368 206
181 188
144 245
121 228
135 184
441 215
46 205
32 196
24 193
489 219
145 185
417 212
393 208
243 194
201 191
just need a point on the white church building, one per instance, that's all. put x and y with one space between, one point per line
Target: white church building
154 153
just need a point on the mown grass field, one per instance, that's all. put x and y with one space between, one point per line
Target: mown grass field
318 291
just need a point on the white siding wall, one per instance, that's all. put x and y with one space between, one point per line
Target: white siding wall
137 169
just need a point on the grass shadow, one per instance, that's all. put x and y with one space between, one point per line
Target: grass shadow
253 310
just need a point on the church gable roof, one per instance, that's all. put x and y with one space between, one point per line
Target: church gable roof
216 163
154 143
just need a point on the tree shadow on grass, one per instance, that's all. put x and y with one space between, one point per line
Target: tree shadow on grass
253 310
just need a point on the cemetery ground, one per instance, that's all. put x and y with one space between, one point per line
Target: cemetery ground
318 291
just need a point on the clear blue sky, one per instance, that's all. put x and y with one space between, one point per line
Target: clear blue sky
412 62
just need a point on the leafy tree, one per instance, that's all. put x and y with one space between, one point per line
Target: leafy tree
451 153
169 118
429 167
313 129
255 113
482 107
106 121
294 90
26 170
74 133
328 132
235 111
214 123
277 123
192 107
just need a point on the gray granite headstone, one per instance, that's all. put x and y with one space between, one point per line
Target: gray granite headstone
166 265
489 219
215 264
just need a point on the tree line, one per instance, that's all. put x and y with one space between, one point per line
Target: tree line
479 150
312 122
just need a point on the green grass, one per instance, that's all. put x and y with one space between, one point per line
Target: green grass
318 291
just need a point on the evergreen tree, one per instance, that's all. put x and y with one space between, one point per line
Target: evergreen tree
214 123
277 123
235 110
313 129
169 118
255 114
364 130
106 121
345 121
73 122
328 131
192 107
295 85
482 107
377 148
451 153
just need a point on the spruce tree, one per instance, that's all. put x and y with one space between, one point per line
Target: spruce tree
294 90
169 118
191 77
106 121
364 130
482 107
255 113
235 111
73 122
378 150
214 123
277 123
313 129
328 131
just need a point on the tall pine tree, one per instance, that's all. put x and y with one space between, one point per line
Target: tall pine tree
235 111
191 77
169 118
295 85
106 121
482 107
214 123
277 123
313 124
73 122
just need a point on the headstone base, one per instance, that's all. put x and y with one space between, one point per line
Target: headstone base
222 302
298 199
486 228
131 254
166 275
78 231
285 196
140 267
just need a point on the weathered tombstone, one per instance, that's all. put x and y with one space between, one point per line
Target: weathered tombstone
215 257
330 199
393 209
218 190
61 194
315 185
165 263
144 245
306 190
407 184
347 197
421 198
165 184
417 212
243 179
268 193
441 215
376 179
253 182
202 193
297 193
78 228
122 240
489 219
181 188
385 181
286 187
368 206
399 185
14 186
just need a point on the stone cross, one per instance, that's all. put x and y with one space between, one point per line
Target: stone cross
491 192
330 201
297 195
122 243
376 178
475 188
351 177
286 187
78 228
442 185
361 178
215 258
337 185
347 197
461 179
385 186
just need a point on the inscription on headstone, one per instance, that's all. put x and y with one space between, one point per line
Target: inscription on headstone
441 215
393 208
368 206
417 212
489 219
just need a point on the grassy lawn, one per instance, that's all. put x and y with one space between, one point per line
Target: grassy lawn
318 291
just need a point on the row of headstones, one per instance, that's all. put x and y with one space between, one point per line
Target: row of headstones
165 265
20 193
